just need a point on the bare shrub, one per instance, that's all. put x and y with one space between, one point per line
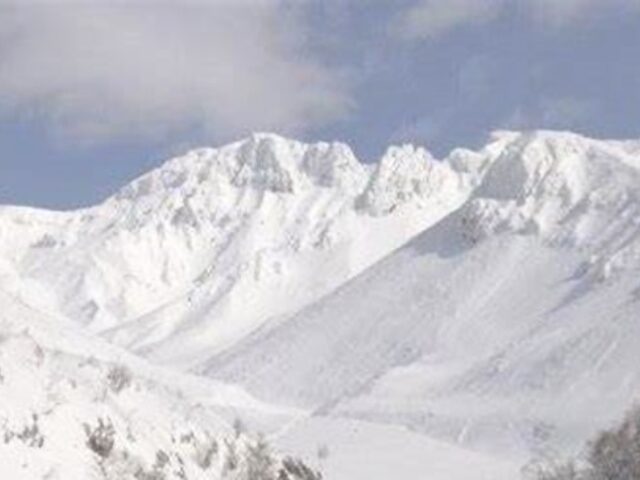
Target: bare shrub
296 469
118 378
101 439
142 474
613 455
30 435
231 459
162 460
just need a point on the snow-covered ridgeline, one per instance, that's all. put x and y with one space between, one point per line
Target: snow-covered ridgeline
206 248
241 233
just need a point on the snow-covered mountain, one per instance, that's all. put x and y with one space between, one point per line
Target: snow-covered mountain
200 252
488 299
510 325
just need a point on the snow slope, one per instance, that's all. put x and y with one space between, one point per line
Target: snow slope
58 385
60 388
193 256
511 325
366 450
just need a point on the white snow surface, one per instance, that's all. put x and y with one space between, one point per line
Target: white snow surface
57 385
424 318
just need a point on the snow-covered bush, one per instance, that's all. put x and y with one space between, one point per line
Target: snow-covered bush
29 435
260 463
554 470
205 452
254 459
613 455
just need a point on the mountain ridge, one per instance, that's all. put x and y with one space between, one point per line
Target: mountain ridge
252 204
226 233
487 299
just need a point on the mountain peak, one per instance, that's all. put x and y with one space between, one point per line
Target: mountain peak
261 162
567 187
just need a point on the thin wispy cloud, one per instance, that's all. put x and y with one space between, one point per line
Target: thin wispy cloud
552 113
429 19
96 71
432 18
565 12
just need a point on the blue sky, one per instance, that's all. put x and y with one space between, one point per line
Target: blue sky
93 94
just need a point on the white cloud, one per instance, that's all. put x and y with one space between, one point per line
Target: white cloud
99 70
552 112
434 18
559 13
